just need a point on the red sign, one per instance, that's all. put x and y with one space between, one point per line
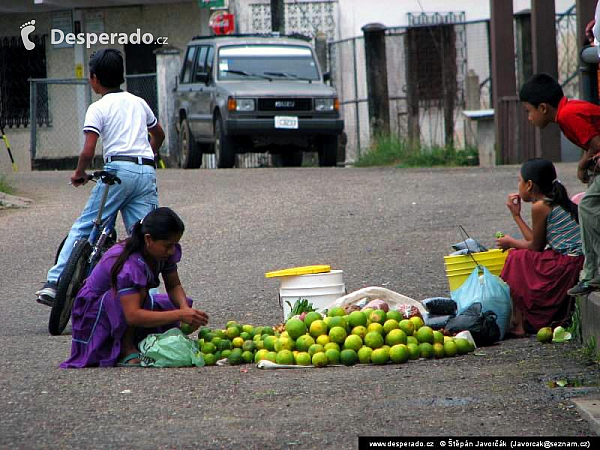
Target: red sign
222 23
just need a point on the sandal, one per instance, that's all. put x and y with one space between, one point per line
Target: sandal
124 362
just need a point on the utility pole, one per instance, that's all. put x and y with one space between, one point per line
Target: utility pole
278 16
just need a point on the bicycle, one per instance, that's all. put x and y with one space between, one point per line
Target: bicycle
84 257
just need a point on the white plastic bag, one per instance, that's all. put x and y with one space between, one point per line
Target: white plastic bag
393 299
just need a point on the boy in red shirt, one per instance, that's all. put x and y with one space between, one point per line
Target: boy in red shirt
579 121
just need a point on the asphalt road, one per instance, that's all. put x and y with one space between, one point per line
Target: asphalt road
384 227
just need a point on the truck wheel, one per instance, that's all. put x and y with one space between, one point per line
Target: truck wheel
328 148
189 151
224 148
291 158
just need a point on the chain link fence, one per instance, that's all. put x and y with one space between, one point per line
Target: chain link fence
59 107
144 85
57 111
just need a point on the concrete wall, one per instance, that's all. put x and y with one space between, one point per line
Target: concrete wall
590 320
178 22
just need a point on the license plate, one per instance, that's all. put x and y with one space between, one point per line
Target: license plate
287 122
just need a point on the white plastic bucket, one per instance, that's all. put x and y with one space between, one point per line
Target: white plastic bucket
320 289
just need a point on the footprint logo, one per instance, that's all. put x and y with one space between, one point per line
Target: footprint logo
26 29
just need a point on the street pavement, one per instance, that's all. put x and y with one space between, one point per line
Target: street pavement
381 226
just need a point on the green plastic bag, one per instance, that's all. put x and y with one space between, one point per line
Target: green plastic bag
170 349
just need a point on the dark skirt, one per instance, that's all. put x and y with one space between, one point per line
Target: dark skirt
539 282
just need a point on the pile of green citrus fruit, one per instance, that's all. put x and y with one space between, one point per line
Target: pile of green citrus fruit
362 337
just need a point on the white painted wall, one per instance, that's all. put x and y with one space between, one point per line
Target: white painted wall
353 14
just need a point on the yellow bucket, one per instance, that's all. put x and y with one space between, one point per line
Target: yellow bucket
459 267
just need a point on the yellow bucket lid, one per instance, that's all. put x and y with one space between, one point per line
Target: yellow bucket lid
303 270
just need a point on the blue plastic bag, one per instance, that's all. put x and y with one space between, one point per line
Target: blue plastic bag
489 290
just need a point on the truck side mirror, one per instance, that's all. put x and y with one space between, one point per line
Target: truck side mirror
326 76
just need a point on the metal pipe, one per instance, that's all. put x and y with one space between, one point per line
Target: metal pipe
33 119
588 56
356 107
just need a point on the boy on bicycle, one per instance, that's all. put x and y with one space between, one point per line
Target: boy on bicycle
123 121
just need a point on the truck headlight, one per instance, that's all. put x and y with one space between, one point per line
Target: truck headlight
244 104
325 104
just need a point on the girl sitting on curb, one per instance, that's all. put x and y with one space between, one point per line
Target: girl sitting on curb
547 262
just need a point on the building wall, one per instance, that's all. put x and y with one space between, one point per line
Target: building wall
178 22
307 17
354 14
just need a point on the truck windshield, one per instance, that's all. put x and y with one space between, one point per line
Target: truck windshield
236 61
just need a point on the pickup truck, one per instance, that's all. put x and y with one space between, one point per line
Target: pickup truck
239 94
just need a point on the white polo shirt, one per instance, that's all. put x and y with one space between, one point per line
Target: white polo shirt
122 120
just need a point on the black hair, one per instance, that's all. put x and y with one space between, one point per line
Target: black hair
160 224
543 174
107 65
541 88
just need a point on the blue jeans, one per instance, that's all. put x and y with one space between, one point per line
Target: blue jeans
135 197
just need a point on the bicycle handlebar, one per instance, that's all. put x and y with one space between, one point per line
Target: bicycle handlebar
106 177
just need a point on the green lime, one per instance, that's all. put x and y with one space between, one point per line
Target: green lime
209 359
303 359
380 356
248 356
320 359
374 340
304 342
186 328
208 347
336 311
353 342
348 357
364 355
285 357
295 328
399 354
333 356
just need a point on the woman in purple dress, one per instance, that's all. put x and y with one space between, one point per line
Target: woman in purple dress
114 311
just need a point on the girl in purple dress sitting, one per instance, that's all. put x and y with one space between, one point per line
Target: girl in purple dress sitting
114 311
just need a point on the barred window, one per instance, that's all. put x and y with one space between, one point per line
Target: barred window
17 65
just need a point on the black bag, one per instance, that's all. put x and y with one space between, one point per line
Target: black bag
437 322
483 326
441 306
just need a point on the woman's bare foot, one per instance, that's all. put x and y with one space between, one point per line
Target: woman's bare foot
516 333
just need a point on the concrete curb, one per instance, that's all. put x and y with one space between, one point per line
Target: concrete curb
589 408
11 201
589 308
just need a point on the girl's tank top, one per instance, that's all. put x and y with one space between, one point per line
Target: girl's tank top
562 232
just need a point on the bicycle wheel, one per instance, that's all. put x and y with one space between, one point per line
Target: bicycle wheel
59 249
68 286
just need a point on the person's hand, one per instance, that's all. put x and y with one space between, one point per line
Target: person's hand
589 32
77 177
505 242
513 203
194 317
582 174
